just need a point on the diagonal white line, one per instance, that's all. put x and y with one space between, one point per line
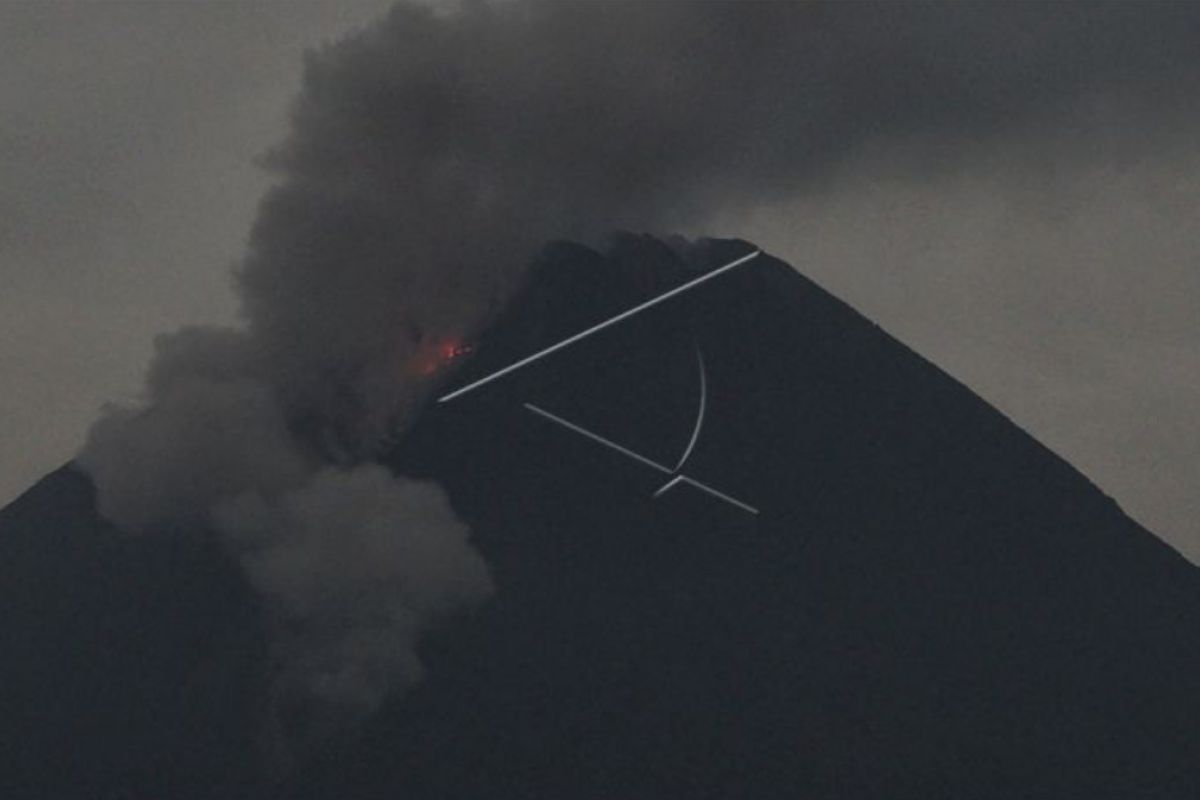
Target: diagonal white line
708 276
596 438
677 479
720 495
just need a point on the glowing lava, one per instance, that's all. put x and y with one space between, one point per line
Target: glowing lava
441 355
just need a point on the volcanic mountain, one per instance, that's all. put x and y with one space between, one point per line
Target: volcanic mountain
745 544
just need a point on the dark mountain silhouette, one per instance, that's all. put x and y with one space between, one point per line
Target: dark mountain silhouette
928 603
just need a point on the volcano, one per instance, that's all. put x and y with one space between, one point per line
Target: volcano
745 544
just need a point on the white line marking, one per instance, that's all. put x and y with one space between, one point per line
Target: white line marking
721 495
594 437
599 327
662 490
699 414
627 452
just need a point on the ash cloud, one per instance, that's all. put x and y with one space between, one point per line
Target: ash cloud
430 155
353 566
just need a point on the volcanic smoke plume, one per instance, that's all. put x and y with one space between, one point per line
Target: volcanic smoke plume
429 156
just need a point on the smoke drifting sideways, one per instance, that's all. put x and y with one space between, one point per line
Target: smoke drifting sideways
430 155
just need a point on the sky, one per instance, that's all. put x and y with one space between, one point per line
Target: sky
127 189
1050 266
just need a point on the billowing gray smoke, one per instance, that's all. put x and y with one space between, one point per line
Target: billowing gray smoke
429 156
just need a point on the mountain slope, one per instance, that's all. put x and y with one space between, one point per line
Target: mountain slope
928 603
129 667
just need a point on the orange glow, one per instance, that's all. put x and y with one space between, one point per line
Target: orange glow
454 349
441 355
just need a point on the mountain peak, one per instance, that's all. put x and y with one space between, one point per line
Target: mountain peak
745 543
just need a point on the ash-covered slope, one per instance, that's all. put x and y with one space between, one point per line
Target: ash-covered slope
927 602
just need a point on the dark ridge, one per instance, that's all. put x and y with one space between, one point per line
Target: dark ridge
128 667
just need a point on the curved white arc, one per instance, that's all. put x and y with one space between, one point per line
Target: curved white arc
699 413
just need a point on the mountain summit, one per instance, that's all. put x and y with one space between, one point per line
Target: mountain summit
745 544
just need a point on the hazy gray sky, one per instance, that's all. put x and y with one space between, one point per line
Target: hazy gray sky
1052 268
127 187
